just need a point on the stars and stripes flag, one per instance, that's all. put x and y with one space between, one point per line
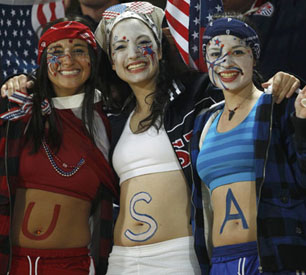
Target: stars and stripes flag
187 20
21 23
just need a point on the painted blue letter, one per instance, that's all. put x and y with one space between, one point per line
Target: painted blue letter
141 237
229 199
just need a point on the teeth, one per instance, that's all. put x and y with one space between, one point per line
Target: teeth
228 75
136 66
69 72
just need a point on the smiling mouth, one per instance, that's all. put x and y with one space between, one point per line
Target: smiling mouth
73 72
229 76
137 66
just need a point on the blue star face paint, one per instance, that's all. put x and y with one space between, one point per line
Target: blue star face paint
144 218
147 51
230 62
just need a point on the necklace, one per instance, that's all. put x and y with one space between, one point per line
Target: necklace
232 112
52 157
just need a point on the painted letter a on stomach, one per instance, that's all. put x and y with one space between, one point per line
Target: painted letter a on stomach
230 198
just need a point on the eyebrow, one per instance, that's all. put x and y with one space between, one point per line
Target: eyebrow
139 37
219 48
61 46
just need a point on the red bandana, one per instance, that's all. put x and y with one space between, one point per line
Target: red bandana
64 30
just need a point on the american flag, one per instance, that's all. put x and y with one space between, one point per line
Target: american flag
187 20
20 26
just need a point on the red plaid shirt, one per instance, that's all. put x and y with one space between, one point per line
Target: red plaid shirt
11 140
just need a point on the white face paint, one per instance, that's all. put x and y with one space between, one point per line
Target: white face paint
135 53
230 62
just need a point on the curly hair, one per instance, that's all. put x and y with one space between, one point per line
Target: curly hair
122 99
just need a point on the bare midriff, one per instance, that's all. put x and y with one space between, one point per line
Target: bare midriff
234 213
153 208
47 220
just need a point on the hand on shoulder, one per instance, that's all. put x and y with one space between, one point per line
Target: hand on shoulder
16 83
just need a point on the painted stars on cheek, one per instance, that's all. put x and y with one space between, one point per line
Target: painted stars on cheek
148 51
54 64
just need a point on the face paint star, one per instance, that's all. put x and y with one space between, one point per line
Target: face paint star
217 42
148 51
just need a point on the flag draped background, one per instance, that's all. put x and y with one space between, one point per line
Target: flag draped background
187 20
20 26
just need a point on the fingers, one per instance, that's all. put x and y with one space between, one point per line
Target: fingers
284 85
16 83
295 84
266 84
29 84
303 95
300 104
3 90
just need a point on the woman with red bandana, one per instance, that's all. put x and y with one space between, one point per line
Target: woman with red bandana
55 174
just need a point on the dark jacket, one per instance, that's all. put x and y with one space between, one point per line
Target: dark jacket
282 36
280 167
180 112
11 142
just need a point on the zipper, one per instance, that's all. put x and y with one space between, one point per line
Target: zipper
192 189
264 175
10 195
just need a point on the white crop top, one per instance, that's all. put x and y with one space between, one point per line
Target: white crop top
144 153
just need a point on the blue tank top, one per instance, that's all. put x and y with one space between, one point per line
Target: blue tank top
228 157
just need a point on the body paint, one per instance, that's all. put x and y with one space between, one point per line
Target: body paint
229 199
212 65
53 64
147 219
50 229
226 56
147 50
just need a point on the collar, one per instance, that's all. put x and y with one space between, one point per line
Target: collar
73 101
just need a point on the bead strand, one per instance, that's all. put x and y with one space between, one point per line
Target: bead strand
58 169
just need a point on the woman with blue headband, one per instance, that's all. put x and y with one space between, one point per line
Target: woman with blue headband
250 155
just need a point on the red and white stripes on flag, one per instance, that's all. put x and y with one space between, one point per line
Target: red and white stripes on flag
177 15
187 20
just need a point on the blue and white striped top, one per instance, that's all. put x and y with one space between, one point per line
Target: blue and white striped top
228 157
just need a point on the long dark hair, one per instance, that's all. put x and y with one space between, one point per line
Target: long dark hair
43 89
122 99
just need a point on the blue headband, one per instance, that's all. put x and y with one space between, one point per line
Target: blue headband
232 26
